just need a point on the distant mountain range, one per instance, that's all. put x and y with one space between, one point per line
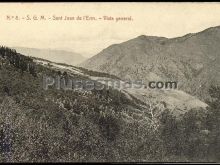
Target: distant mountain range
192 60
60 56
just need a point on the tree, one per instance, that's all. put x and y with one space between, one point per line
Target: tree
213 123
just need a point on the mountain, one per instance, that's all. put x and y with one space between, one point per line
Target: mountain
192 60
60 56
178 102
112 124
41 125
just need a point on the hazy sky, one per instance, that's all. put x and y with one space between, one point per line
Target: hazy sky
90 37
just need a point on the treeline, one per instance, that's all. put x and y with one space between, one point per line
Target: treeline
98 74
18 60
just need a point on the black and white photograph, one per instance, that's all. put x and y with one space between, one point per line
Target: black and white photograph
125 82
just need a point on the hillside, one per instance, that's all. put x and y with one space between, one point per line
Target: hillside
191 60
39 125
60 56
54 125
178 102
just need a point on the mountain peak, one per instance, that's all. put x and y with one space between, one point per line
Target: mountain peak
144 37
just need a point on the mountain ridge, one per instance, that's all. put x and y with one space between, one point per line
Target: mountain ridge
56 55
191 59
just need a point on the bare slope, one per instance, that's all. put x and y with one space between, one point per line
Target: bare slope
192 60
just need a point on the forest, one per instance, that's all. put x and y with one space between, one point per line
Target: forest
38 125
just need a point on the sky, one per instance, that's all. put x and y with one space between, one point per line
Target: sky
89 37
